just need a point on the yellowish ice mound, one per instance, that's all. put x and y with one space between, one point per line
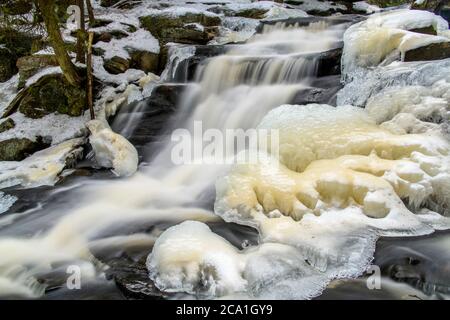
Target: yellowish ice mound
336 159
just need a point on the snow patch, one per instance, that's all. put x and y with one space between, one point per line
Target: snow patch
141 40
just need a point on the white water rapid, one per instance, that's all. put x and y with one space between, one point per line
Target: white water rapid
307 238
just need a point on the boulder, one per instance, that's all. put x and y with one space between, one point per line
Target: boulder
107 36
253 13
7 125
16 7
7 64
116 65
188 27
13 45
18 149
30 65
434 51
51 93
145 61
142 60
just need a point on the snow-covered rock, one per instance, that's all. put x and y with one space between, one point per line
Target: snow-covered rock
385 36
111 149
41 168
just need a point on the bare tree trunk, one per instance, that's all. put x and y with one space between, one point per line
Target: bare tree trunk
47 9
90 77
81 35
90 13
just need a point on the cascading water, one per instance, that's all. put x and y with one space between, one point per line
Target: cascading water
232 91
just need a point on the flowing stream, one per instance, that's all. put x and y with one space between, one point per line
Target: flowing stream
97 218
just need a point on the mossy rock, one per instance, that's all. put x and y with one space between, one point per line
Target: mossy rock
6 125
51 93
167 28
13 45
116 65
18 149
30 65
19 43
145 61
7 64
16 7
253 13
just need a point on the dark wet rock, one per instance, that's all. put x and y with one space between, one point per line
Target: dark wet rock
51 93
108 36
131 277
426 30
421 262
30 65
189 28
116 65
187 69
16 7
433 51
317 94
7 125
142 60
18 149
145 61
253 13
13 45
153 113
329 63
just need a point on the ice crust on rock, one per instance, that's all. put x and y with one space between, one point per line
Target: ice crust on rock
385 36
339 183
111 149
41 168
190 258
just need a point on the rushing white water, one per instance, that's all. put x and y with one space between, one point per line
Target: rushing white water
233 91
236 91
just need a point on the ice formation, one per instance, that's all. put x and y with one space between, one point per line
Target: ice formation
111 149
41 168
431 104
340 181
386 35
191 258
368 82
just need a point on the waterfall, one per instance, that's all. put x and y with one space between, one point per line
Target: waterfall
230 91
